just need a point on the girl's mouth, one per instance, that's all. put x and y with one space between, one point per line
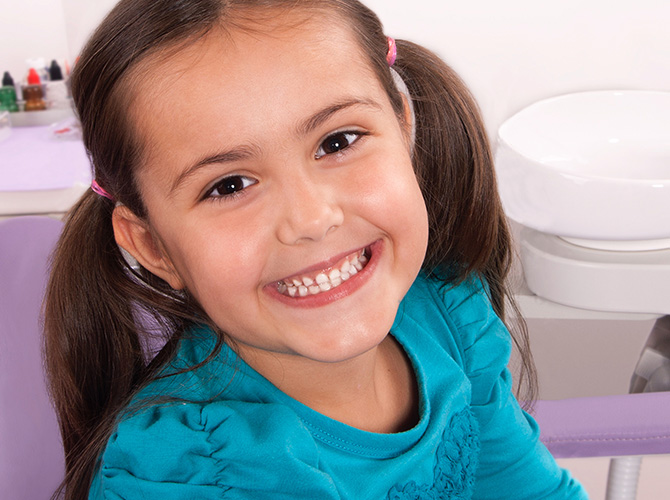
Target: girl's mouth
324 280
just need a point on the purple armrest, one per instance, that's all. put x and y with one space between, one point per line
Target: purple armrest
604 426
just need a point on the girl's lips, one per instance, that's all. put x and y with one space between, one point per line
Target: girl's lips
324 279
318 286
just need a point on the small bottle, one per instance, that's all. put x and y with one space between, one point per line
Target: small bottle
8 94
32 93
56 89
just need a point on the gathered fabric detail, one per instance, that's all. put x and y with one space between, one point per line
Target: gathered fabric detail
456 462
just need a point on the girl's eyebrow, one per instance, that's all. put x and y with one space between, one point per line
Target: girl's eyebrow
321 116
243 152
235 154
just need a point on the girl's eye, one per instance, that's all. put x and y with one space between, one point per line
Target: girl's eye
337 142
230 186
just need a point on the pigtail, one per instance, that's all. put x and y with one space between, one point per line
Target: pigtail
100 313
93 356
454 166
452 162
94 344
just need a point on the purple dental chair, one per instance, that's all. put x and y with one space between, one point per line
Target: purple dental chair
625 427
31 455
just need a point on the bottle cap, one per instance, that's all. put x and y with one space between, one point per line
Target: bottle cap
7 80
55 72
33 77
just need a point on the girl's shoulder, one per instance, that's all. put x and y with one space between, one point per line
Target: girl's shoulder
191 449
463 307
193 432
460 318
458 300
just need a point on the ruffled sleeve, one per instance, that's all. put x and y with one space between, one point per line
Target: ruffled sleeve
513 462
206 451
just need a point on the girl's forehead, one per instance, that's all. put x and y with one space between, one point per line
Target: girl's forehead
244 52
240 81
266 39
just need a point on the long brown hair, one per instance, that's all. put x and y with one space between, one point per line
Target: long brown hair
95 345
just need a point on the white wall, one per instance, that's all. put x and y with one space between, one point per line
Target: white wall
81 17
30 29
51 29
512 53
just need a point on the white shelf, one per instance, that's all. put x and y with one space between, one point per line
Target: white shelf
534 307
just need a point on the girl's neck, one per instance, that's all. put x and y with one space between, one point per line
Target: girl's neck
375 392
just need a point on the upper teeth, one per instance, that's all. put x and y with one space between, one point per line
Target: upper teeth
325 280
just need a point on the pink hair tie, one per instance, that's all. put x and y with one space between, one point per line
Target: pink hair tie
392 51
99 190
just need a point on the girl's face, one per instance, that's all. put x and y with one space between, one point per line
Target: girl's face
279 190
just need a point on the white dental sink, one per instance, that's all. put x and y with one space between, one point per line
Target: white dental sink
590 167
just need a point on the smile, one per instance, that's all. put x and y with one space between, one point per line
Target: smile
325 279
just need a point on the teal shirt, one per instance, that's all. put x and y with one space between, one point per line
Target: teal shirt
234 435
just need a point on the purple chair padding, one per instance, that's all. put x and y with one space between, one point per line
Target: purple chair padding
606 426
31 454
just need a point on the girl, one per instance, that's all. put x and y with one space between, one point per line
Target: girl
324 253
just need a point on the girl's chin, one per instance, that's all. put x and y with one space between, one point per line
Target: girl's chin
342 350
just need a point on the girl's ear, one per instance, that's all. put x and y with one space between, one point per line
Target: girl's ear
135 237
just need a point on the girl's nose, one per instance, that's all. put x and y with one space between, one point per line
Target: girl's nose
309 212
